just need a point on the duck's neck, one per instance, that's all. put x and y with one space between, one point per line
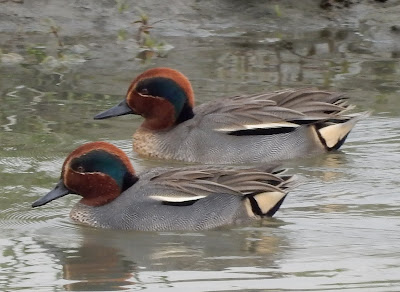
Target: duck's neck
186 114
100 189
164 117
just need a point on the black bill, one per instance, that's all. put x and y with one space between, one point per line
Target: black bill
119 110
60 190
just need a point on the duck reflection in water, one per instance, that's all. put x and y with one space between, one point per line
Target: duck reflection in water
117 260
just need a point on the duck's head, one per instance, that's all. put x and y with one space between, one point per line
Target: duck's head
163 96
98 171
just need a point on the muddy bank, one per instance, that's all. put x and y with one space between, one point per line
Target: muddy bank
195 18
233 46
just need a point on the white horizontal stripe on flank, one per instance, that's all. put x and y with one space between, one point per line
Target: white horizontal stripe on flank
260 126
176 199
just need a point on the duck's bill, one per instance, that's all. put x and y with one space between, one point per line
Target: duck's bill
60 190
119 110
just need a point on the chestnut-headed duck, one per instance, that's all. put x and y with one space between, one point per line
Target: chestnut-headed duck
189 198
263 127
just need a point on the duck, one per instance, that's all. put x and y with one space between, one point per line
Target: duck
195 197
265 127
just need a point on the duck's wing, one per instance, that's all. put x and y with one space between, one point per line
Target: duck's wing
276 112
184 186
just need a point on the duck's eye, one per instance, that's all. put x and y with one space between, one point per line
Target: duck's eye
143 91
80 168
78 165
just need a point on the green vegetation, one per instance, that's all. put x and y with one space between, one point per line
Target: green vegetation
148 46
38 52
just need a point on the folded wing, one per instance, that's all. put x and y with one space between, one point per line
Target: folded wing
183 187
271 113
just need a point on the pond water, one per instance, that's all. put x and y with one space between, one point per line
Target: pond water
339 230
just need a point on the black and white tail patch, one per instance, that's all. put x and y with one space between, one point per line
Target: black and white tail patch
265 204
334 133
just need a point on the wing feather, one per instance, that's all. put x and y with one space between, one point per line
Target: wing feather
194 183
269 110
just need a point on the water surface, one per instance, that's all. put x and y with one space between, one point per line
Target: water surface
338 230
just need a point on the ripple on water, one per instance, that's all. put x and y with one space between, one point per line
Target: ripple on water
16 164
338 229
359 176
23 218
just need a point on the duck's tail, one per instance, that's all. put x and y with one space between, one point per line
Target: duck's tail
266 204
334 132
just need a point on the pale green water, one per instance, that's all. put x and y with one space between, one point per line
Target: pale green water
338 231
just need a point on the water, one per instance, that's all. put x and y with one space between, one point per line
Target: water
337 231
